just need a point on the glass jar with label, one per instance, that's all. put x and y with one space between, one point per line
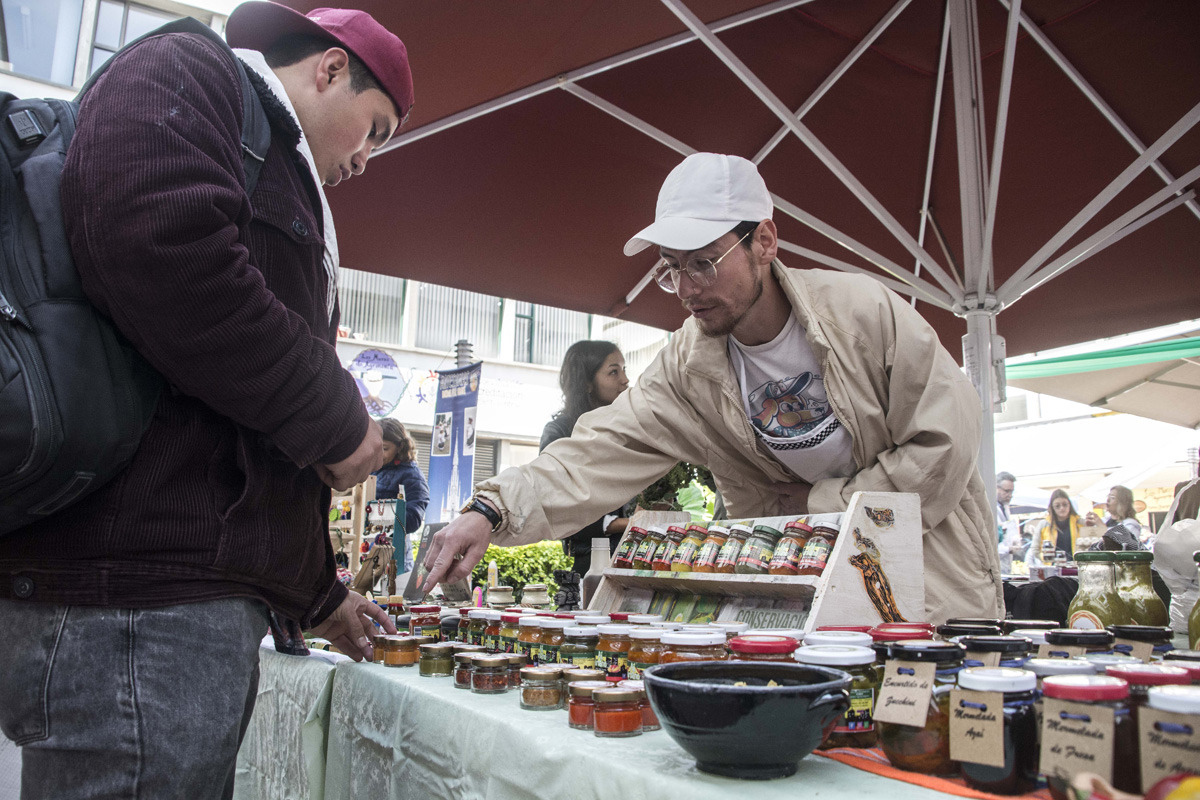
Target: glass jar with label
500 597
581 708
623 557
817 550
491 634
857 726
579 646
464 665
790 549
645 649
542 689
644 620
643 557
1100 690
1012 651
478 624
464 625
925 750
666 551
426 621
843 638
436 660
689 548
508 633
1135 585
400 651
612 651
1160 639
762 648
727 557
529 638
1096 604
1009 627
551 639
1016 688
616 713
516 663
1092 641
490 675
755 557
1142 677
649 719
696 646
706 559
534 596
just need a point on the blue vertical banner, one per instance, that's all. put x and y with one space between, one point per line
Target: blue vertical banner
452 449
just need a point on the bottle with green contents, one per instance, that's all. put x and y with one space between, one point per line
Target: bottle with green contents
1136 587
1097 604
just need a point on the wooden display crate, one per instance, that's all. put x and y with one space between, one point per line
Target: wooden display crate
875 573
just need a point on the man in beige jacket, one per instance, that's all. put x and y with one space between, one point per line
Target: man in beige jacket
796 388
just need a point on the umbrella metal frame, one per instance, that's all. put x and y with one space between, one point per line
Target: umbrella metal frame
973 295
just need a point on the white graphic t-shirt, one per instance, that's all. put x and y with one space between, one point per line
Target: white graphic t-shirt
784 397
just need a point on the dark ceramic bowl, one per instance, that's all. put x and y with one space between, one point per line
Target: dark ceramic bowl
754 731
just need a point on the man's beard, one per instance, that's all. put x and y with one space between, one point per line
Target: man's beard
717 329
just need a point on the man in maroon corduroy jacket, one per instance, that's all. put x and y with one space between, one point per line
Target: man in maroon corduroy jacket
132 620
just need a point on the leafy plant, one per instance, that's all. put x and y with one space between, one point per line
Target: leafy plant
518 566
696 499
665 493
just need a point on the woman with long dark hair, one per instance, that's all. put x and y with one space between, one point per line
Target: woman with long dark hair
400 468
1061 527
1124 531
592 376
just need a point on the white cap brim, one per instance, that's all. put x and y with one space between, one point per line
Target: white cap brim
679 233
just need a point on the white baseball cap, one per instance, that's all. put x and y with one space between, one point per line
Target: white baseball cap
702 199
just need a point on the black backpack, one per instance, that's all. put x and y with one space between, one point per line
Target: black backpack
75 398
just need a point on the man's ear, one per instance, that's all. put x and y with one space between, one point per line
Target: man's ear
766 237
332 67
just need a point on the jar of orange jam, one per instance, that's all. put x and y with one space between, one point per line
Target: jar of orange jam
692 647
645 649
706 559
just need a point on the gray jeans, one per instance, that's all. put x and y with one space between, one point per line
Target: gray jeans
111 703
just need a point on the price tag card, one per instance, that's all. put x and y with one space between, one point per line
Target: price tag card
905 693
977 727
1060 650
1139 650
986 659
1076 737
1170 743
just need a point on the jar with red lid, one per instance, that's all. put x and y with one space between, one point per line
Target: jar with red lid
616 713
689 548
620 617
509 632
581 707
696 646
666 551
727 557
762 648
1141 677
426 621
491 633
790 550
649 719
623 558
643 557
706 559
817 550
1100 690
464 625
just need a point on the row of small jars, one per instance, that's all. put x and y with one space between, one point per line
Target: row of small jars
800 548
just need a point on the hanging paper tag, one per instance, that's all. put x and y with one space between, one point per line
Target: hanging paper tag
977 727
1170 743
1060 650
1076 737
905 693
985 659
1139 650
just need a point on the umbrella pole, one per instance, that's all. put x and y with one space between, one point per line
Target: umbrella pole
983 351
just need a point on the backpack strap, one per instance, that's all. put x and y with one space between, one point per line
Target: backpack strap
256 128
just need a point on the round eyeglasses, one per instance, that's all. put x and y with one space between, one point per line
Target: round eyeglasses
702 271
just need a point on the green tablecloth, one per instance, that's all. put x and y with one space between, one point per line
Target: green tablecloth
393 734
283 752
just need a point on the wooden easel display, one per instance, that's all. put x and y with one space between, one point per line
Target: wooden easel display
875 574
360 496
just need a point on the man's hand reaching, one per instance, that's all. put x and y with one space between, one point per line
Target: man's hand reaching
349 627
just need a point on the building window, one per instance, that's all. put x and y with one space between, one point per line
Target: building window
118 23
39 38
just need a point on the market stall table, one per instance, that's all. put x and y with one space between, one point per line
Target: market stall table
283 752
394 734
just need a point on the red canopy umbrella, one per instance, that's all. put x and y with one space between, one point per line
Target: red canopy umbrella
964 152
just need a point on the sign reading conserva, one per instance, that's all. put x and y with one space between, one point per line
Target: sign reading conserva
905 693
1076 737
984 659
1060 650
1139 650
1170 743
977 726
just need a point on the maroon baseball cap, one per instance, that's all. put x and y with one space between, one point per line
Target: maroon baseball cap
259 24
